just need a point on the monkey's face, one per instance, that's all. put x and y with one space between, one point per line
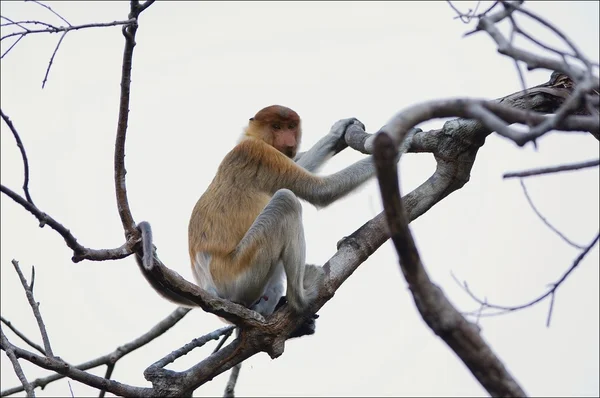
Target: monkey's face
278 126
285 137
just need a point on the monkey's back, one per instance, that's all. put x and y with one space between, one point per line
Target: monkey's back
227 209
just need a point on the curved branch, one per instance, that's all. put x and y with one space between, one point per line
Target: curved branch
112 357
119 158
439 314
79 252
23 155
543 219
10 353
550 293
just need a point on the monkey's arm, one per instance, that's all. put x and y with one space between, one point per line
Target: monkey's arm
275 171
327 146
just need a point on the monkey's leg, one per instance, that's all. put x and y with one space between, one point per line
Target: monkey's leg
277 236
272 293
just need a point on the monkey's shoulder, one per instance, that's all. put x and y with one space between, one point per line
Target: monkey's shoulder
252 152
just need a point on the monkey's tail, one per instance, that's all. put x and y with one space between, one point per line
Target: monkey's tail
313 279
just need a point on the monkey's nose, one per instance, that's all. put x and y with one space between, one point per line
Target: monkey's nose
290 151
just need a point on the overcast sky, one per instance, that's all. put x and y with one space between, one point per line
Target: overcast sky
200 70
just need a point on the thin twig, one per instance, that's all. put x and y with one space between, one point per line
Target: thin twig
546 222
10 353
195 343
111 358
558 32
22 336
11 22
57 29
52 59
23 155
35 306
230 387
51 10
56 364
21 24
553 169
109 370
79 252
555 285
11 46
223 340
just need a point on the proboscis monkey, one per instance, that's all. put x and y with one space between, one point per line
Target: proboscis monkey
245 232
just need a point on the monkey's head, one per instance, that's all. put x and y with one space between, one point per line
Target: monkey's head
279 127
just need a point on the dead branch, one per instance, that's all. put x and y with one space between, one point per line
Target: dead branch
79 252
113 357
553 169
545 221
10 352
439 314
23 155
35 307
501 309
22 336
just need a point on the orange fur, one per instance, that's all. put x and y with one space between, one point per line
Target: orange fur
246 180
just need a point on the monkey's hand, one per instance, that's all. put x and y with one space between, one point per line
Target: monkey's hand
338 132
306 328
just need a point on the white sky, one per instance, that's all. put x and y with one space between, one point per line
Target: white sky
201 69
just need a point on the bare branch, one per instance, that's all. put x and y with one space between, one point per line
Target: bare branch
533 61
23 155
107 375
52 59
35 306
578 54
22 337
439 314
11 47
230 387
121 351
58 365
51 10
541 217
10 352
553 169
79 252
57 29
550 293
223 341
129 32
195 343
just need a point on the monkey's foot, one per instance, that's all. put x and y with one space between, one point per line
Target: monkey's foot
306 328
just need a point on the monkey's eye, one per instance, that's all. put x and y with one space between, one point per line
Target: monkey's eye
276 126
292 126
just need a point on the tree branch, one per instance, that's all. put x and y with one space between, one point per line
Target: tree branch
553 169
439 314
23 155
35 307
113 357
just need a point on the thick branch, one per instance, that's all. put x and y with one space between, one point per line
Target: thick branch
439 314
